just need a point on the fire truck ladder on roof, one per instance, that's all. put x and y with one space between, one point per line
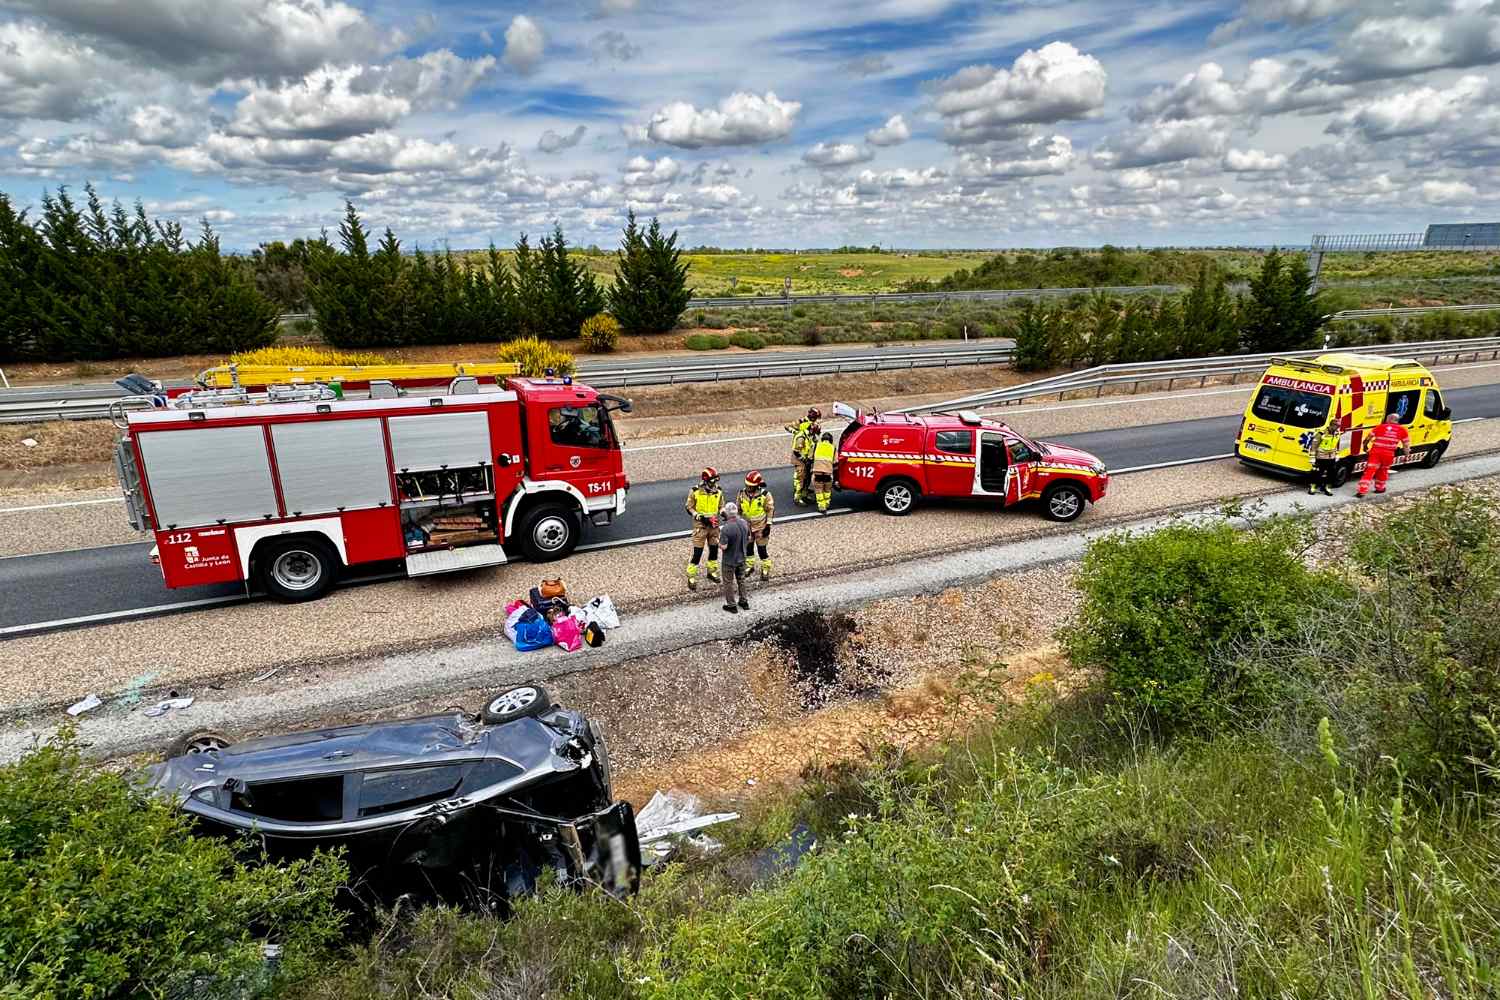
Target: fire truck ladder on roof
231 376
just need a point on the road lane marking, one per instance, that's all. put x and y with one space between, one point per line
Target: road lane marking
107 616
54 506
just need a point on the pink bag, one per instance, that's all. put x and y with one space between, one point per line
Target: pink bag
510 608
567 633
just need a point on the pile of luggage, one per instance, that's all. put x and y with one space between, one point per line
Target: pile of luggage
548 618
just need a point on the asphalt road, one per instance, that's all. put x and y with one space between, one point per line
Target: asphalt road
48 591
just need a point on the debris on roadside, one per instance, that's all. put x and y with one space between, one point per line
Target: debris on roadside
87 703
163 707
134 691
265 676
674 819
29 442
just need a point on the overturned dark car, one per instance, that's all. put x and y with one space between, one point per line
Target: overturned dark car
460 807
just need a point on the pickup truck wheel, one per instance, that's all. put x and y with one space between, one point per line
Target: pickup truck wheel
1434 455
1063 502
898 496
549 532
297 569
517 703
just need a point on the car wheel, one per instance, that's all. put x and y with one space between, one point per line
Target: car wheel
199 741
1063 502
549 532
898 496
297 569
517 703
1434 455
1340 475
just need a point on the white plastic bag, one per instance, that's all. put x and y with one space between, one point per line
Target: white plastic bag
512 618
602 610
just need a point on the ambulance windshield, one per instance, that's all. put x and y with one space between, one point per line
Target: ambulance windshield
1292 406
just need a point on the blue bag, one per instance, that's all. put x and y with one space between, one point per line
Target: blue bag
532 632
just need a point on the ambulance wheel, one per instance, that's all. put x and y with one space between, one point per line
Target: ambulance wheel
898 496
1434 455
1341 473
517 703
549 532
1063 502
297 569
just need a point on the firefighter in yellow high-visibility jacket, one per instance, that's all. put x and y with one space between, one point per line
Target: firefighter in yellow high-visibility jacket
703 503
759 508
804 440
822 472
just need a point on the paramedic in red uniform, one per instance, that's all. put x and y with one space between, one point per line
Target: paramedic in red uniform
1388 437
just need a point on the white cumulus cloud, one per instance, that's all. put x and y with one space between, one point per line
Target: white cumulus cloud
524 44
1448 192
893 133
1154 143
551 142
1043 86
742 119
1041 156
642 171
1414 112
836 155
1251 161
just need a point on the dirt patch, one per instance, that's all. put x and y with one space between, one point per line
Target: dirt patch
851 272
74 443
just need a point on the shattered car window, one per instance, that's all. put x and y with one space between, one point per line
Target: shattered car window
391 791
304 800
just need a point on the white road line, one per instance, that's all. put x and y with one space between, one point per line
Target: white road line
1169 465
66 503
108 616
81 548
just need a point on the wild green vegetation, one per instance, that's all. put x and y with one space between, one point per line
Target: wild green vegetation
1273 773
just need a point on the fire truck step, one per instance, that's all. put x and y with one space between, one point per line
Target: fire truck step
469 557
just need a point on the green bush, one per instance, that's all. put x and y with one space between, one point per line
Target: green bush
705 342
600 333
536 356
1162 613
749 341
108 893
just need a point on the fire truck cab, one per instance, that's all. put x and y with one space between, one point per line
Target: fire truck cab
288 487
902 458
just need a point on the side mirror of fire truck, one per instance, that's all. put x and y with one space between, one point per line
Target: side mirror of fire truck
612 403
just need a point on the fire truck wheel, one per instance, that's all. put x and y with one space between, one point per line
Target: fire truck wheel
1063 502
898 496
549 532
517 703
297 569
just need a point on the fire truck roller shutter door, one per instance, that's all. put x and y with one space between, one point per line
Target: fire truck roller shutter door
331 465
428 441
207 475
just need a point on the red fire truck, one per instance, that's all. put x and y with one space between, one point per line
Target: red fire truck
286 488
901 458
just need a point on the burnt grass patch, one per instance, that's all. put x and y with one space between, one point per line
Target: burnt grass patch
825 664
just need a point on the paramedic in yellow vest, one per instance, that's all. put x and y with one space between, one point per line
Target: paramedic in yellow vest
804 439
1325 459
703 502
822 472
759 508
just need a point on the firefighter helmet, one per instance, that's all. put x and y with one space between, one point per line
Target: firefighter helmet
755 481
814 414
710 474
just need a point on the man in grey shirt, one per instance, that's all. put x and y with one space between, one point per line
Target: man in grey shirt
734 542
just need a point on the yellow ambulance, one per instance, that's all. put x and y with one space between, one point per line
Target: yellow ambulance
1296 398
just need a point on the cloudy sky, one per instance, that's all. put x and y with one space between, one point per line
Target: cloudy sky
913 123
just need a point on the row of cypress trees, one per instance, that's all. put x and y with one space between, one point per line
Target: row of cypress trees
80 283
383 297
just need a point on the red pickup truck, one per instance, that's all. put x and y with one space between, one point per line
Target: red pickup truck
902 458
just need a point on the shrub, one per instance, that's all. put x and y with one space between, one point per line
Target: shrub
705 342
600 333
811 335
305 356
1162 612
749 341
535 356
109 893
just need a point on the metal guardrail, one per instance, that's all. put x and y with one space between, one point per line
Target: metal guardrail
881 298
60 408
1170 373
1412 310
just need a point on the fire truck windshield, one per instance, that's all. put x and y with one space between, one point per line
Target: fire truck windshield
580 426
